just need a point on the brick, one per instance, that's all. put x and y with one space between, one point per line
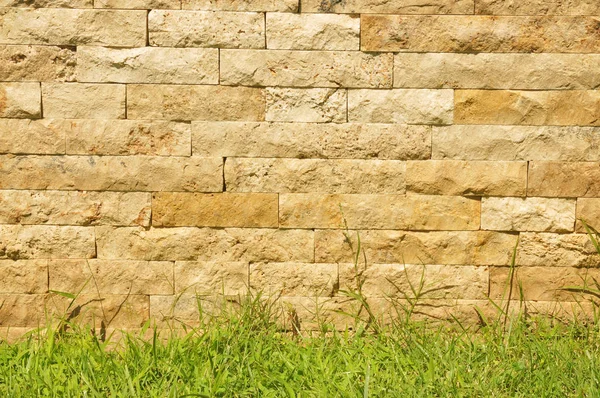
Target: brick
556 250
241 5
588 210
389 7
37 63
537 7
139 4
48 3
24 276
20 100
294 279
313 105
46 241
204 278
561 179
20 310
83 101
25 136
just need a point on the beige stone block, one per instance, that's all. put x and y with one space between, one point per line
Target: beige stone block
46 241
206 29
21 310
310 140
187 310
564 179
306 68
588 210
206 277
455 177
562 108
556 250
389 7
181 102
294 279
111 28
139 4
537 7
74 208
48 3
20 100
415 212
84 101
401 106
314 105
26 136
23 276
37 63
400 247
112 173
205 244
475 33
315 175
241 5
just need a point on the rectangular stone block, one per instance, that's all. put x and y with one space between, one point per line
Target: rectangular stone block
241 5
180 102
37 63
181 209
311 140
315 175
179 311
564 179
455 177
475 33
561 108
528 214
112 173
139 4
401 106
23 276
111 28
210 29
294 279
20 310
313 105
20 100
204 278
46 241
416 212
148 65
306 68
48 3
556 250
83 101
74 208
537 7
25 136
389 7
588 210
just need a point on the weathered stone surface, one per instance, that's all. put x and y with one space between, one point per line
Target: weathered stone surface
115 28
27 136
46 241
400 106
241 5
206 29
556 250
310 140
22 309
180 209
174 312
74 208
37 63
315 175
389 7
139 4
288 31
204 244
203 278
455 177
588 210
557 179
20 100
537 7
112 173
528 214
294 279
399 247
84 101
563 108
24 276
316 105
473 33
416 212
495 142
126 137
306 68
179 102
497 71
48 3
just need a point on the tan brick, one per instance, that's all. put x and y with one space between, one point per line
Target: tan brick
20 100
19 310
180 102
317 105
118 28
306 68
416 212
83 101
588 210
111 173
37 63
175 312
310 140
25 136
139 4
294 279
210 29
389 7
561 179
400 106
241 5
180 209
556 250
74 208
48 3
315 175
474 33
564 108
24 276
455 177
204 278
537 7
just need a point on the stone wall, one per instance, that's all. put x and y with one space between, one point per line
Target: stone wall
152 150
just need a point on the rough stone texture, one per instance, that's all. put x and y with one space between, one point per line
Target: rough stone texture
294 279
389 7
111 173
46 241
470 34
416 212
138 4
556 250
37 63
20 100
528 214
537 7
316 105
23 276
310 140
180 209
74 208
455 177
563 108
400 106
306 68
315 175
22 309
48 3
25 136
84 101
206 29
175 312
241 5
56 26
179 102
588 210
203 278
287 31
573 179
